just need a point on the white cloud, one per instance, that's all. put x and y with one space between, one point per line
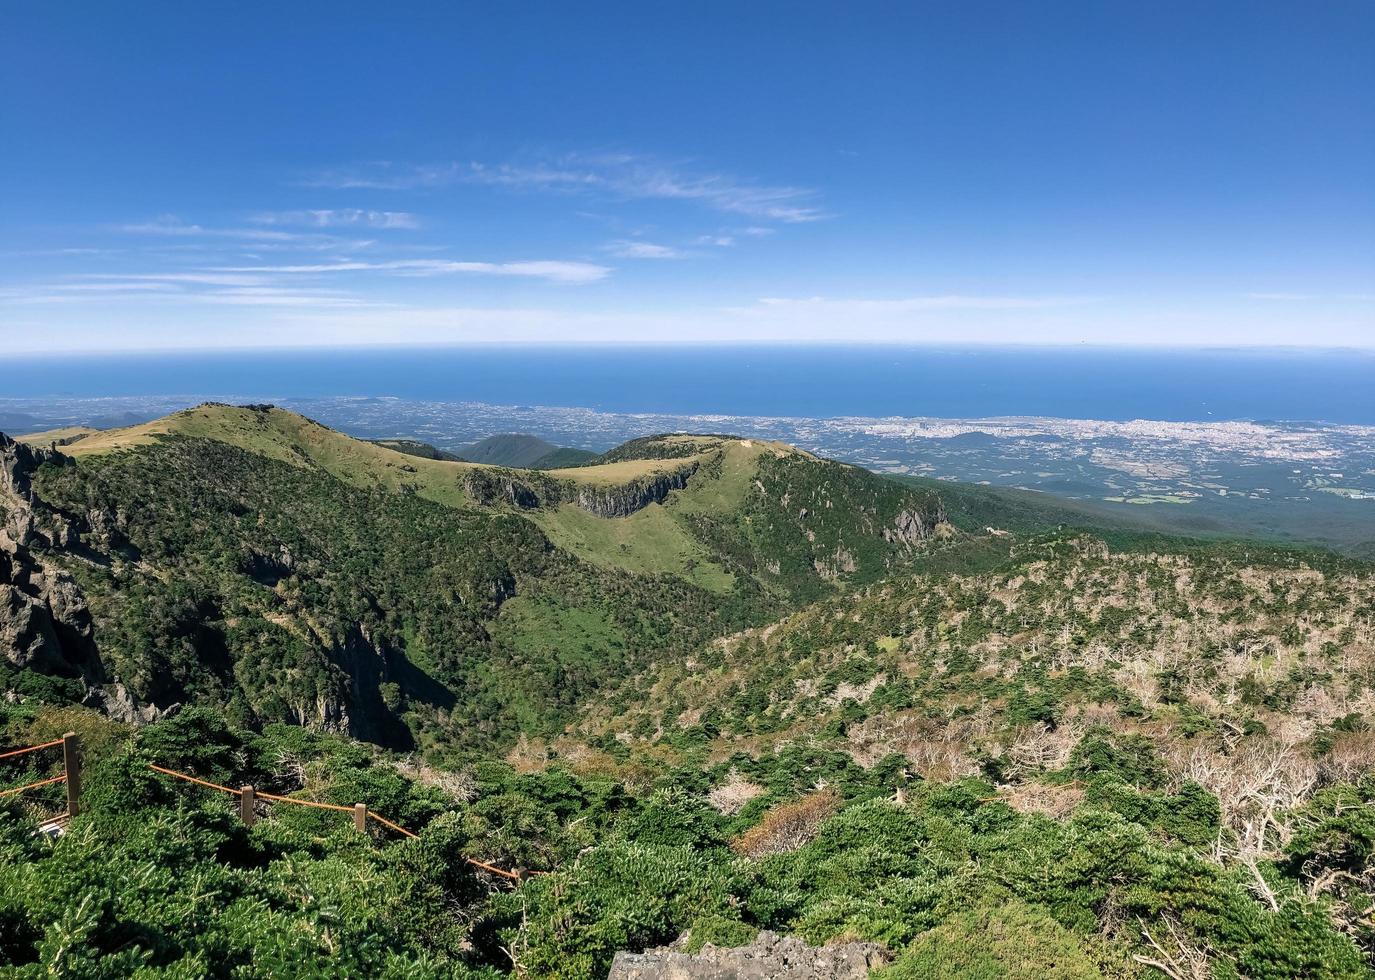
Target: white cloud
626 249
338 217
719 241
170 226
618 175
554 271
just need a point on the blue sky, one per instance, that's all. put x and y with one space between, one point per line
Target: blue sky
215 174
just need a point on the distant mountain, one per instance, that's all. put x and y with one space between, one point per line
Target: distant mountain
523 451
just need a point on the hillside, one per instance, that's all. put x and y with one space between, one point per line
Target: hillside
62 437
251 559
1087 764
1187 645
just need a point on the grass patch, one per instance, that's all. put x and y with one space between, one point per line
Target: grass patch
648 542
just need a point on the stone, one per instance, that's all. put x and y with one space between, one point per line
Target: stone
769 957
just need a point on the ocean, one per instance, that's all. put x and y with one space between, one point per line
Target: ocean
812 381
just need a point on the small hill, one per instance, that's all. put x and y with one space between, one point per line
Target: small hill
521 451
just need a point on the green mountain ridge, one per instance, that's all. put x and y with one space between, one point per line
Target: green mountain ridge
251 559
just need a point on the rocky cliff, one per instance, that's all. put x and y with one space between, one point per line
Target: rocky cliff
527 490
622 500
45 623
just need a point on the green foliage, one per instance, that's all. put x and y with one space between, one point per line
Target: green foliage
1009 941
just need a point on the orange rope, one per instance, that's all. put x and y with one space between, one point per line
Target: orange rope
31 748
387 823
42 782
290 799
496 871
193 779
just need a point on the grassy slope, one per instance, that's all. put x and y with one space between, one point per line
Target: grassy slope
63 436
658 539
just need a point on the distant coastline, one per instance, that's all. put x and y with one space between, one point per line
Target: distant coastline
1112 384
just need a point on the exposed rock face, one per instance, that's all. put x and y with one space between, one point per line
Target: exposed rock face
44 620
911 527
627 498
490 487
530 490
769 957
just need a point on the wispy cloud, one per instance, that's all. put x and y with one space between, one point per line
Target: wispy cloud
626 249
199 278
622 175
384 175
171 226
338 218
552 270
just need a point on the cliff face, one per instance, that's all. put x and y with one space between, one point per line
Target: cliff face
627 498
912 527
45 623
527 491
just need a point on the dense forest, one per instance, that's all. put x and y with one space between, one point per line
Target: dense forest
836 708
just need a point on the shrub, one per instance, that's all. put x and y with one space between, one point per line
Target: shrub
788 826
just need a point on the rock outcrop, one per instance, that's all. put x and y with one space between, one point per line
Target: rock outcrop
622 500
769 957
527 490
498 486
912 527
45 623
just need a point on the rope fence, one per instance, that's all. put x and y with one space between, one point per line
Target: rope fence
248 796
71 771
32 748
361 814
42 782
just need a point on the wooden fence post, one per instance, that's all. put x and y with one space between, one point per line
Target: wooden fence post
71 761
246 813
360 817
